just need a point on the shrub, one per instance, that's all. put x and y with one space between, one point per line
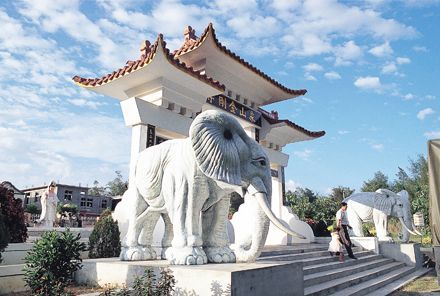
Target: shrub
52 261
104 240
4 236
13 213
32 209
147 285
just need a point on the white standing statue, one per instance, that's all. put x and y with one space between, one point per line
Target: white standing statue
188 182
376 207
49 201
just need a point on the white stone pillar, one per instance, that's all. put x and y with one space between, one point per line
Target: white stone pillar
277 192
138 143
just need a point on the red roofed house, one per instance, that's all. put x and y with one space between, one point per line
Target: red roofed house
161 93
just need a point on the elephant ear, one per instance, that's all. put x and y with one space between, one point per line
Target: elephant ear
218 141
384 200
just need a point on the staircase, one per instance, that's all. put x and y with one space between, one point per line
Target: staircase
325 275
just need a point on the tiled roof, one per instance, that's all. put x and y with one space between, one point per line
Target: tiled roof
269 117
192 42
148 53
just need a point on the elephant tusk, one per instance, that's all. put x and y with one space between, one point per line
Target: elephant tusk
415 229
261 199
406 227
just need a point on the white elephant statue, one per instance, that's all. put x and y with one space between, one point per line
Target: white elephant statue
376 207
188 183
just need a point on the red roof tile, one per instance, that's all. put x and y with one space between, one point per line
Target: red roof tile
191 42
272 118
148 54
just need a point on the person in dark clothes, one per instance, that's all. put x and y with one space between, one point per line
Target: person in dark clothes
342 222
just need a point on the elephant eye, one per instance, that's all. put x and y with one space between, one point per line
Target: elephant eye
227 134
260 161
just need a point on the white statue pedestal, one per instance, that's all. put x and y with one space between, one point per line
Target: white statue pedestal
209 279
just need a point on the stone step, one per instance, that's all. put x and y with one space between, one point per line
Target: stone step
336 285
298 256
274 251
339 272
375 285
313 260
332 265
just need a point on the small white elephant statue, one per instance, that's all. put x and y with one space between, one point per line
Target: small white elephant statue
188 183
376 207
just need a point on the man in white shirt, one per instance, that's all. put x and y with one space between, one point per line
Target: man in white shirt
342 222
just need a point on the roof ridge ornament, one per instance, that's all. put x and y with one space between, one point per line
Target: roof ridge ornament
145 48
190 34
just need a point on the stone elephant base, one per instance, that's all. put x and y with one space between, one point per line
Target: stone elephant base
211 279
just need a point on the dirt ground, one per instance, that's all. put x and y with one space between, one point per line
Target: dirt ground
425 285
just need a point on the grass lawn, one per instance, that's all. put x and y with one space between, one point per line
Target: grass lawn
425 285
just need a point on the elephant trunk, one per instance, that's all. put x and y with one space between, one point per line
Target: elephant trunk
406 225
259 234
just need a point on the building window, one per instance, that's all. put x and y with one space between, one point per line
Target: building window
26 198
36 197
103 204
229 93
237 98
68 194
245 101
89 202
83 201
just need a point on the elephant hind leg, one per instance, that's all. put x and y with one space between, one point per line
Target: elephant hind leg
355 223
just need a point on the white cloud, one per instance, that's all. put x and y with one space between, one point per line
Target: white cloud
313 67
343 132
425 112
368 82
347 52
246 26
432 135
420 49
304 154
86 103
382 50
310 77
389 68
292 185
409 96
403 60
378 147
332 75
430 97
317 25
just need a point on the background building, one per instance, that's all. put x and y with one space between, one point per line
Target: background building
89 206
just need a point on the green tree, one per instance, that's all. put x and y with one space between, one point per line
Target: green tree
117 186
301 202
378 181
96 189
339 193
104 240
325 209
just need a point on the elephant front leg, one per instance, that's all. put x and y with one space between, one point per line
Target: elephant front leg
380 222
186 246
215 236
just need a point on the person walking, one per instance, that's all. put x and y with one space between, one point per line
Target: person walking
335 245
342 223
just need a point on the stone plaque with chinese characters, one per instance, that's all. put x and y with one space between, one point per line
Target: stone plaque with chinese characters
239 110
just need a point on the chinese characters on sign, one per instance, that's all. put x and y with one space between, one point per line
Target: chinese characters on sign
235 108
151 135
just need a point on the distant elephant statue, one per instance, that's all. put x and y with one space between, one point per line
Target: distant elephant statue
188 183
376 207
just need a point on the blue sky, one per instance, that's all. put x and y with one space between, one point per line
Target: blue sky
371 69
